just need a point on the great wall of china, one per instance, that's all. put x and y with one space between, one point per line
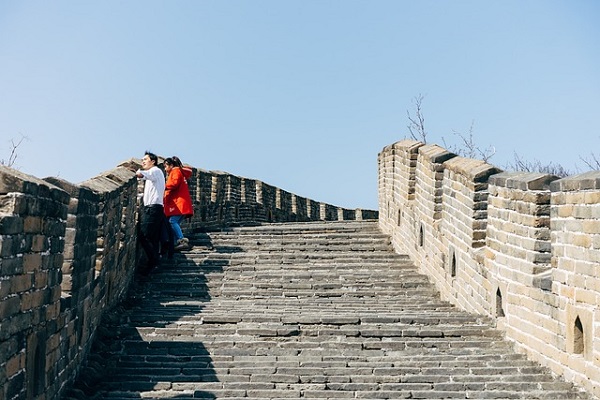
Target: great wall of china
68 254
522 248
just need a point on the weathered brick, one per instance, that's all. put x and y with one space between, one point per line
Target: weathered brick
11 266
11 224
21 283
32 262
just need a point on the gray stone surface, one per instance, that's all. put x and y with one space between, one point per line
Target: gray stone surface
312 310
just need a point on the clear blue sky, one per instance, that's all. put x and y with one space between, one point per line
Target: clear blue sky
302 95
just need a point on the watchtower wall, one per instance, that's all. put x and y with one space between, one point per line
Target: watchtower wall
521 248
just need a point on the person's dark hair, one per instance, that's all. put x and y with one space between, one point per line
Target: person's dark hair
177 162
174 162
152 157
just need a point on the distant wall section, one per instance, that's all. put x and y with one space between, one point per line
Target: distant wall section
222 199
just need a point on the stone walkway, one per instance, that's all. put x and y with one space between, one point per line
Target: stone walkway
302 311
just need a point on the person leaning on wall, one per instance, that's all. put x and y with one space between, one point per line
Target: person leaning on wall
152 216
177 199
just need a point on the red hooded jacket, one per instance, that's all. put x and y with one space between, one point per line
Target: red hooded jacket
177 200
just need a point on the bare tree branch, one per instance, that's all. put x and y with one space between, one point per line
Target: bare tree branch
469 148
416 125
536 166
593 162
12 158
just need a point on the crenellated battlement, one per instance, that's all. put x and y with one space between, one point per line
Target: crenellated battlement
68 255
523 248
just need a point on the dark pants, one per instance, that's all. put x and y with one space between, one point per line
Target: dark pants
151 222
167 246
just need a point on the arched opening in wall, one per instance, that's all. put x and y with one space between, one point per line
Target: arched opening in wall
269 216
421 236
203 214
578 346
220 213
453 265
399 217
499 308
36 365
237 212
39 370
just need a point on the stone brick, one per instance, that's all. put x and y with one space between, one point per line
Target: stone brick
32 262
38 243
15 364
40 279
11 225
15 387
32 224
31 300
11 266
21 283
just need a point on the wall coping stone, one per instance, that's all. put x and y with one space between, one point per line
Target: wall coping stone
109 180
120 174
523 180
475 170
13 180
435 154
586 181
408 145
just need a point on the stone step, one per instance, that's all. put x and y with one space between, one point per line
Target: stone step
306 310
258 240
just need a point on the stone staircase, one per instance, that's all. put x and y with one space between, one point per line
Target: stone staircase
302 310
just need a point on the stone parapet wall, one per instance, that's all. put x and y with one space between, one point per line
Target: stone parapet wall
222 199
68 255
397 171
518 233
575 238
32 228
77 252
429 175
522 248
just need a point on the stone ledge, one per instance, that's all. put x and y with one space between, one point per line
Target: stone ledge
523 180
586 181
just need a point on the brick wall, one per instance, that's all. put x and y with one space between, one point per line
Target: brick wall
522 248
32 228
68 255
222 199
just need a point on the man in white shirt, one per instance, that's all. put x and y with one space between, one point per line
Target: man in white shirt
153 216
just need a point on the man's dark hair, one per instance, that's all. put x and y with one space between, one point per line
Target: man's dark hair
152 157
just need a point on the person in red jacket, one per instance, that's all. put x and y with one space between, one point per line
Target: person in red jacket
177 200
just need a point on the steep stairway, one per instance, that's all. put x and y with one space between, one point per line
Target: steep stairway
302 310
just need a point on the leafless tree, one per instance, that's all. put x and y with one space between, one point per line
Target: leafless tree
537 166
416 121
593 162
12 158
468 147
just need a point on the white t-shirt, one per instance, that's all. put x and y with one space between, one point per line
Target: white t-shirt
154 186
